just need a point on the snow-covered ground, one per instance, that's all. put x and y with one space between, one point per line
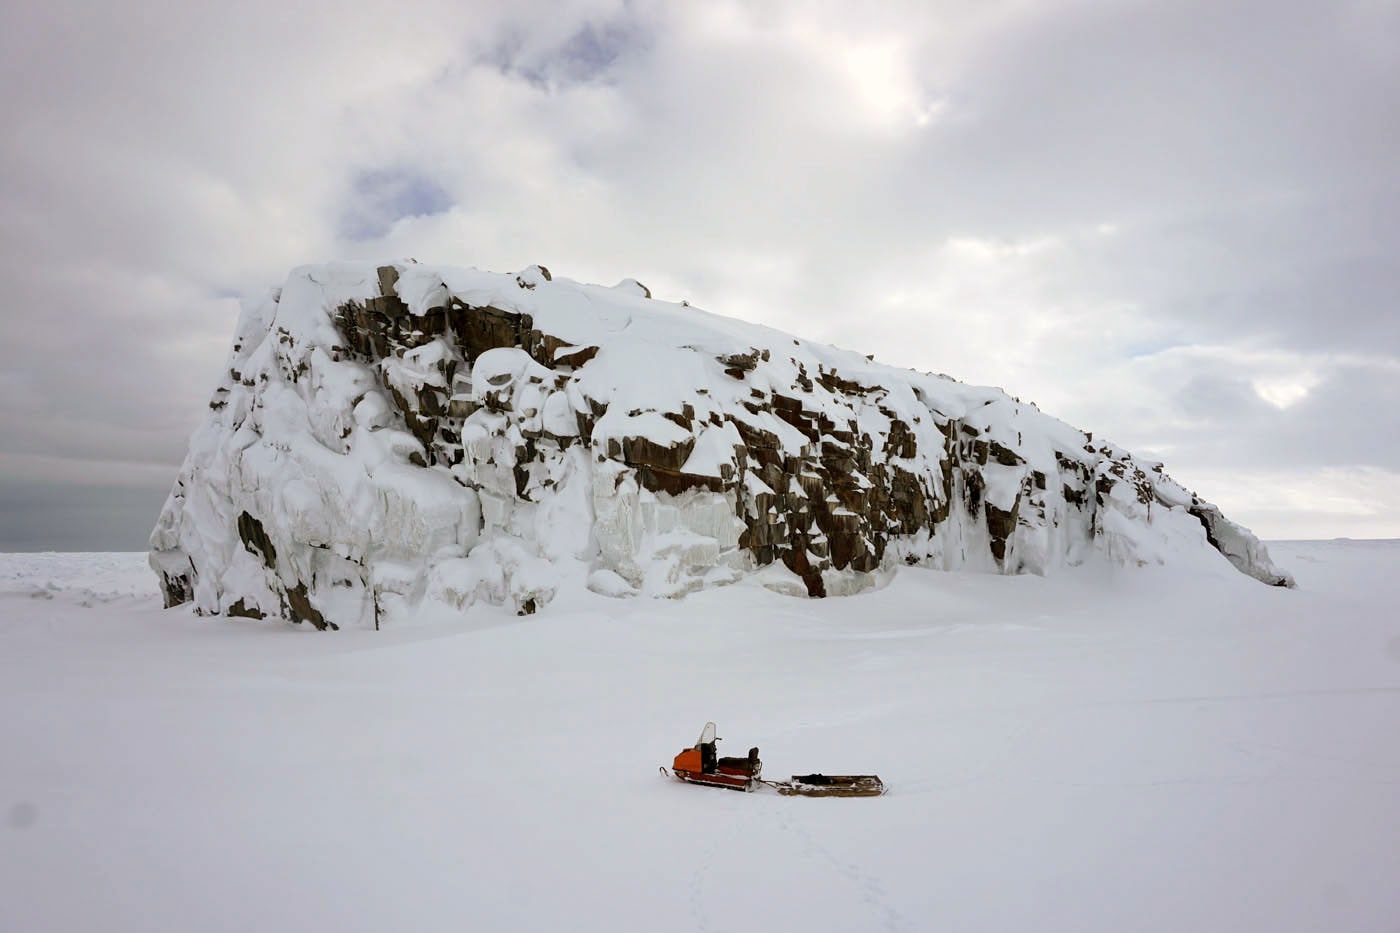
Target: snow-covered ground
1138 750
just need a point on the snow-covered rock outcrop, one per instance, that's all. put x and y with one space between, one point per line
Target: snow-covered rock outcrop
398 437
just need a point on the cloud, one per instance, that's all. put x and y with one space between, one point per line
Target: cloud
1173 224
379 199
585 55
46 516
1336 502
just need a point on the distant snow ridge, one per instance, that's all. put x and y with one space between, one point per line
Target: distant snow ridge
398 440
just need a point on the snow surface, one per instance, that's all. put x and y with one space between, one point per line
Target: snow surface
1090 751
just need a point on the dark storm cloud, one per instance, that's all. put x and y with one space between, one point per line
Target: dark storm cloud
1172 223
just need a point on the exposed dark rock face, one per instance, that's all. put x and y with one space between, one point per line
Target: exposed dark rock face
250 531
299 609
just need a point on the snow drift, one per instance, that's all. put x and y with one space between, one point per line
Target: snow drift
399 440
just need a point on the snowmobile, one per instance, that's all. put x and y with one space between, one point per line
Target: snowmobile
701 764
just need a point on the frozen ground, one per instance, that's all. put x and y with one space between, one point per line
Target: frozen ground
1144 751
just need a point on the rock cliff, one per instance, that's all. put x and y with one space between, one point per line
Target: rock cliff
392 439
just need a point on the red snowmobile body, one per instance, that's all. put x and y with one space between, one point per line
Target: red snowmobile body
701 764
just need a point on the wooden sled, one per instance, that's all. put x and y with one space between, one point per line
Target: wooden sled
832 785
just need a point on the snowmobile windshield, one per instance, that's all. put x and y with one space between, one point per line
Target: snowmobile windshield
707 735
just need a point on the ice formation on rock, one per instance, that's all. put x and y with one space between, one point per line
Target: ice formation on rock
397 439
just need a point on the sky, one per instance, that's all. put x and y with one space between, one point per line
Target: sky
1175 224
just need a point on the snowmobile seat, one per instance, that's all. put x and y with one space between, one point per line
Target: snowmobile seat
745 765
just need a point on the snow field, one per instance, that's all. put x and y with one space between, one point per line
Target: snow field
1101 750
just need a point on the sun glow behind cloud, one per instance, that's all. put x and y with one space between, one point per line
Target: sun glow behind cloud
1285 391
